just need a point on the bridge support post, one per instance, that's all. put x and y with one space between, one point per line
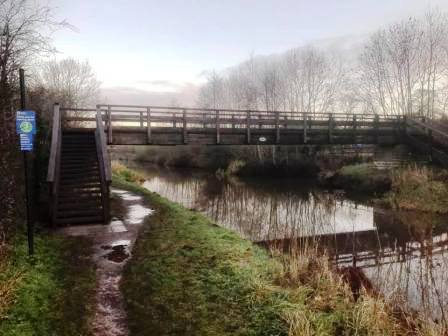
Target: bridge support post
148 125
109 125
248 127
217 128
305 127
330 128
277 128
184 127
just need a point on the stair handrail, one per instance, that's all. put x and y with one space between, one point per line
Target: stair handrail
55 157
104 163
425 126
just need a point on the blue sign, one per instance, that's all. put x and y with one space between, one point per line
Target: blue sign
25 122
26 128
26 142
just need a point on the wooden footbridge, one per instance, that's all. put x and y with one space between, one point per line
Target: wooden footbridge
79 169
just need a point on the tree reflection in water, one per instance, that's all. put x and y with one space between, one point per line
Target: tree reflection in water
404 254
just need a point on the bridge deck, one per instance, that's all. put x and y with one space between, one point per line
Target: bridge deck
143 125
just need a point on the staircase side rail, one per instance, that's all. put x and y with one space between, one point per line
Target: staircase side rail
428 127
104 165
55 159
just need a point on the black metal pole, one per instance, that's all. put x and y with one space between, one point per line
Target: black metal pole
29 222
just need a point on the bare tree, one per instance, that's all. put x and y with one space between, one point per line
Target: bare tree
70 82
403 67
25 30
211 94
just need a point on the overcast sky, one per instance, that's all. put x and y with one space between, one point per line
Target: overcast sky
160 45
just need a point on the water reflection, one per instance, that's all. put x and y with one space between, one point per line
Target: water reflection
403 254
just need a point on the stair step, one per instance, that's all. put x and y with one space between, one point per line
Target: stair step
79 213
80 189
93 203
80 220
74 175
92 157
79 196
83 150
83 169
83 181
78 145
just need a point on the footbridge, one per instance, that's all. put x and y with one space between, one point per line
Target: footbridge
79 171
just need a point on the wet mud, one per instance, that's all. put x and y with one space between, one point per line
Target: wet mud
112 249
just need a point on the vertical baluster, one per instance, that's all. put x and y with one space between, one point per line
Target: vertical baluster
277 127
217 127
148 125
305 128
184 122
109 125
248 127
330 128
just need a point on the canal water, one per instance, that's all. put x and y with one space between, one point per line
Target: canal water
405 255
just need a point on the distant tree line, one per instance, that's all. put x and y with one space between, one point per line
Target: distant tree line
401 69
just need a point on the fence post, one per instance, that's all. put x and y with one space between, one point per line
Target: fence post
109 125
376 125
248 126
305 128
330 128
184 130
277 127
233 121
174 120
354 128
148 125
217 128
141 119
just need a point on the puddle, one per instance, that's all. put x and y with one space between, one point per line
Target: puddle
112 249
137 213
118 255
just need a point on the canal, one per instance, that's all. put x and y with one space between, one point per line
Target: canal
404 254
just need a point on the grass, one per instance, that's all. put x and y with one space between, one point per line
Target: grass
362 177
50 293
188 276
418 188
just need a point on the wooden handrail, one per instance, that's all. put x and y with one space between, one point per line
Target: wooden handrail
54 161
428 127
104 164
55 144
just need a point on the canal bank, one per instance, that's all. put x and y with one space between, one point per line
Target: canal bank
190 276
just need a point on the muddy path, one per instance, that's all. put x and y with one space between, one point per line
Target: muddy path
112 246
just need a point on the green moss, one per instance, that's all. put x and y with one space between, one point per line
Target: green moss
51 292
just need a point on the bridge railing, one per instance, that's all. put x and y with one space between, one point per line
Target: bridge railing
175 117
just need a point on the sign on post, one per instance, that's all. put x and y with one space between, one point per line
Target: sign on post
26 128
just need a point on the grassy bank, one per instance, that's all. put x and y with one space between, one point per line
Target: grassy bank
419 188
49 294
358 178
188 276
